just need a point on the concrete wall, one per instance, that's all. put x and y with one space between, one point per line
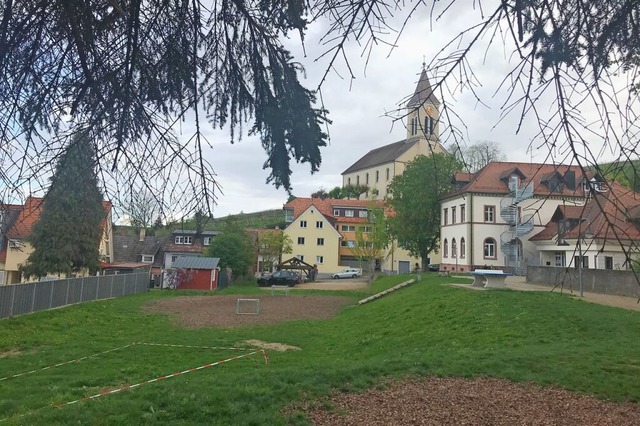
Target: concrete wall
602 281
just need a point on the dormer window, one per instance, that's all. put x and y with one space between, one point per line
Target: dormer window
180 239
147 258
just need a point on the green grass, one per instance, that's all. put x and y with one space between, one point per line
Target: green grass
422 329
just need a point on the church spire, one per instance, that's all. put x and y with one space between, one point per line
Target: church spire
423 93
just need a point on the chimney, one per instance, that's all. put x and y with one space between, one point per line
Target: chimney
143 233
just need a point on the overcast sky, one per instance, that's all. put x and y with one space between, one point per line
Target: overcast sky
357 108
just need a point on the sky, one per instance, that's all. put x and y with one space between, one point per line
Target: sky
357 109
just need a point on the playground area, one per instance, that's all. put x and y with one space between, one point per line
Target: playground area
221 311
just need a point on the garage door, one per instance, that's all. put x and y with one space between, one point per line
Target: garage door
404 267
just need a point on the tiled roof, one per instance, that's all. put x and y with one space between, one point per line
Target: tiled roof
192 262
30 213
607 215
492 178
384 154
129 248
423 93
325 207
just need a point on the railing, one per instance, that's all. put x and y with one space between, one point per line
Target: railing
19 299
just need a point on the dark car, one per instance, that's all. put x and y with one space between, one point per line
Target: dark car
288 278
434 267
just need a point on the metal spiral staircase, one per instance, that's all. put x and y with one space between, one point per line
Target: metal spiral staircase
518 226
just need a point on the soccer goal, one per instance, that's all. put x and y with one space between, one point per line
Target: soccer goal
248 306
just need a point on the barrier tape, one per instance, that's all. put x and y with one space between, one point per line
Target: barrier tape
188 346
157 379
64 363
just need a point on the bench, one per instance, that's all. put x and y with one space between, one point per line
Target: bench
489 278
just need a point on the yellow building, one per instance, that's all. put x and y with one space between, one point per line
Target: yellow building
18 222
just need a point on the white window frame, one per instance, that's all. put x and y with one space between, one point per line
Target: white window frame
206 241
303 224
301 241
348 213
489 248
336 212
179 239
363 213
489 214
319 260
147 258
319 224
320 241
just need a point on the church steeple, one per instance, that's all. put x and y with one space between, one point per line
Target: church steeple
422 110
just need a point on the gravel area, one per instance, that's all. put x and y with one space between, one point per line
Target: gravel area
220 311
456 401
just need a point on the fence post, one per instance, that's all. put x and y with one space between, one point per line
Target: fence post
111 289
13 299
51 296
33 298
97 290
66 299
82 289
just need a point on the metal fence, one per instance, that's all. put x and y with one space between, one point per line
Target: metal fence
19 299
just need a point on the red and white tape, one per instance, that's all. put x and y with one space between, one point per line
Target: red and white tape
157 379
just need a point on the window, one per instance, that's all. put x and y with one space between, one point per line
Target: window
348 243
319 224
349 181
320 241
147 258
489 248
348 228
319 260
288 215
336 212
454 248
453 215
206 241
463 248
377 176
183 240
446 216
174 258
363 213
560 258
366 179
300 240
303 224
489 213
585 261
414 126
300 257
462 213
387 173
358 180
432 125
445 248
608 262
348 213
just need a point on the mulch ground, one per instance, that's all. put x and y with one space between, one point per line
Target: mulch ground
423 401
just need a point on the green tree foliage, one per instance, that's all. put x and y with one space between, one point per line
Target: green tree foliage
414 198
234 248
67 236
272 245
373 238
349 191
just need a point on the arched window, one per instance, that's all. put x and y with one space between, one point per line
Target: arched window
377 176
387 173
445 248
366 179
463 248
454 248
358 180
490 248
348 181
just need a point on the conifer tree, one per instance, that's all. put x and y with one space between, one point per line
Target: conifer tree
67 235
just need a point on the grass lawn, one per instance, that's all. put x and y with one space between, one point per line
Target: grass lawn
425 328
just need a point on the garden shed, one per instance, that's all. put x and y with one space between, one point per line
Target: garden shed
195 273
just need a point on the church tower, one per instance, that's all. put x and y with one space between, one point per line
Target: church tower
422 111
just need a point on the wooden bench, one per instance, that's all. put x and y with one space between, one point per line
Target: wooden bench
489 278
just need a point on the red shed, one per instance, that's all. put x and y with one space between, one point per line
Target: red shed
195 273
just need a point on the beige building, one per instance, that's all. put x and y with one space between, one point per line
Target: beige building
15 249
377 168
489 218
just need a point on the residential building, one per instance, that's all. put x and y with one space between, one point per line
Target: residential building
377 168
16 249
136 251
602 234
489 218
323 232
185 243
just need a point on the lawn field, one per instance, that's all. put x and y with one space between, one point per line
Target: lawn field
427 328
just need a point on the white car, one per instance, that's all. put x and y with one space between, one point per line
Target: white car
347 273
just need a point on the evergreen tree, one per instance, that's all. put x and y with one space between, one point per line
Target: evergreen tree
67 235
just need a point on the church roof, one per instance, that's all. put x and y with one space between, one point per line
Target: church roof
423 93
384 154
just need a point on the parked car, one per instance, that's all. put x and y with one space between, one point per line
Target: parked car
347 273
435 267
288 278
